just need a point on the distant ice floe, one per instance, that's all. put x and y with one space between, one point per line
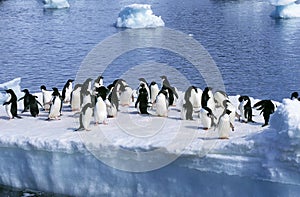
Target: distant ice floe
56 4
138 16
14 85
285 9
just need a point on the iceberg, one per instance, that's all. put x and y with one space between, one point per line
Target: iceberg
138 16
56 4
50 156
285 9
14 85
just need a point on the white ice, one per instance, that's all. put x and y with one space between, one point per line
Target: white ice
138 16
285 9
56 4
51 156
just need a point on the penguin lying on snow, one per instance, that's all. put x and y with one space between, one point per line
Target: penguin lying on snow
11 106
267 108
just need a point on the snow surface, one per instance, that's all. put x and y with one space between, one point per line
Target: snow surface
138 16
56 4
50 156
285 9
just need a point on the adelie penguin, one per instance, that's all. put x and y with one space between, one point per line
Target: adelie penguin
142 100
56 105
220 97
33 105
245 109
26 98
85 117
146 86
76 98
171 90
267 108
295 96
162 103
154 90
224 125
66 92
207 99
207 118
192 99
11 106
47 96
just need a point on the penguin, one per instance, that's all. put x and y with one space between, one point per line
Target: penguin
195 98
245 109
11 105
142 99
56 105
190 97
33 105
228 105
162 103
267 108
87 85
154 90
26 100
207 99
100 111
66 92
146 86
224 125
85 117
207 118
171 90
125 92
113 96
76 98
220 97
47 96
111 109
294 96
86 97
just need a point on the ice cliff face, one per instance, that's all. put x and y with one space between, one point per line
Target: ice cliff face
285 9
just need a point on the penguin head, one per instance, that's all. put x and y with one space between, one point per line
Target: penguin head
153 83
227 111
294 95
143 80
225 103
9 91
43 87
25 91
55 92
70 81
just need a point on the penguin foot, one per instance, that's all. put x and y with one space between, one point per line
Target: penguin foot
264 125
205 128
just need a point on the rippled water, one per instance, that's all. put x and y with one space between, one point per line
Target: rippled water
256 54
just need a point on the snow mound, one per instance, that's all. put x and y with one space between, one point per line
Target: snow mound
56 4
285 9
138 16
14 85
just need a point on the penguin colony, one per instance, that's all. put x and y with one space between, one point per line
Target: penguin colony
94 102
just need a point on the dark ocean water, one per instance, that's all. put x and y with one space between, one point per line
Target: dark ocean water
256 54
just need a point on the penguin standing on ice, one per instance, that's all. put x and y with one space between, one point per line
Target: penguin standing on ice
33 105
113 98
207 118
146 86
170 90
99 82
162 103
190 96
228 105
66 92
76 98
267 108
154 90
295 96
26 98
224 125
56 105
125 92
11 105
85 117
47 96
100 111
207 99
142 99
245 109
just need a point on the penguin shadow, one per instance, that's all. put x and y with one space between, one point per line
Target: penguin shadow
174 118
192 127
4 118
208 138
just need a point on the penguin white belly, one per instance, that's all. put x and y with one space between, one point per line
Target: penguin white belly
75 102
87 117
55 109
8 110
86 99
154 93
196 98
232 114
125 96
68 94
242 111
224 126
47 96
161 105
205 120
100 111
211 104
